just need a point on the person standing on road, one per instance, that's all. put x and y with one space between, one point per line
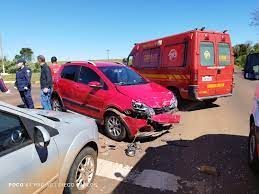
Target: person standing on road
3 87
23 83
54 67
45 83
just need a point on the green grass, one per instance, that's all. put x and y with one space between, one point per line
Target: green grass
11 77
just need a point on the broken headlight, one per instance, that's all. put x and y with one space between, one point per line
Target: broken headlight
173 103
142 108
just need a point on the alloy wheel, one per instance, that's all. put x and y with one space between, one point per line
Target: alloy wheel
114 126
56 106
85 172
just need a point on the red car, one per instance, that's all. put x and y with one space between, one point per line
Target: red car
116 96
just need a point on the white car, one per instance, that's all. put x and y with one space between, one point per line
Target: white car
253 145
46 151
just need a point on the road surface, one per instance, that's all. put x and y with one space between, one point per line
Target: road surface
213 135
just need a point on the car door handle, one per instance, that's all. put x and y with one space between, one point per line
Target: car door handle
219 71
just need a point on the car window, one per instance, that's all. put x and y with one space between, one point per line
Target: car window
207 54
122 75
88 75
13 135
224 54
70 72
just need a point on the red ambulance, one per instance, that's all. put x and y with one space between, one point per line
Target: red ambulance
195 65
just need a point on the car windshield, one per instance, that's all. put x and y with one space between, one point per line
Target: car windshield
122 75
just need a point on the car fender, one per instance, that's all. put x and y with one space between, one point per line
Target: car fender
79 142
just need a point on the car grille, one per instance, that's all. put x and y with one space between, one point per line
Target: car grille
162 110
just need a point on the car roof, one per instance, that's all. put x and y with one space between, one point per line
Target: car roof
97 63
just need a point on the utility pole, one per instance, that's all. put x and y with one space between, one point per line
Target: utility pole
108 54
2 54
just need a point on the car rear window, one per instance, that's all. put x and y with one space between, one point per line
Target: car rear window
207 54
224 54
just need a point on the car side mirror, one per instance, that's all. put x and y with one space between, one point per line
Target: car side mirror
41 137
95 84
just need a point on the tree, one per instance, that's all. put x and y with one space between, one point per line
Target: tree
26 53
255 18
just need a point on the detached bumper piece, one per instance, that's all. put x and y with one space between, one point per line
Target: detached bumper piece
166 118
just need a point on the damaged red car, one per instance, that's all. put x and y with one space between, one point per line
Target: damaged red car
116 96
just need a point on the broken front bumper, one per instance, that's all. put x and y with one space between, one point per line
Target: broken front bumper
135 124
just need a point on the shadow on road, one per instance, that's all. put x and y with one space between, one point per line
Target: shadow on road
188 106
227 153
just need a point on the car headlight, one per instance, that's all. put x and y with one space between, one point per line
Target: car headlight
173 103
142 108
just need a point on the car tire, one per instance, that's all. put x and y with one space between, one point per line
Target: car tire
115 127
57 105
210 101
87 154
252 149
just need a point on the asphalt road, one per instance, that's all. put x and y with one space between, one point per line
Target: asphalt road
213 135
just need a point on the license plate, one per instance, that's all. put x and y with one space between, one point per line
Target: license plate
206 78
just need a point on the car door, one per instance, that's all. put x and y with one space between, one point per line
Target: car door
67 85
225 69
90 100
207 70
25 169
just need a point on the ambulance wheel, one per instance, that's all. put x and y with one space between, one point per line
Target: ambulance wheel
114 127
252 149
210 101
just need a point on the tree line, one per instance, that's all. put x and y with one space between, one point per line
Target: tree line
27 55
242 50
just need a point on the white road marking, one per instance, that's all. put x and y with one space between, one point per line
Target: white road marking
147 178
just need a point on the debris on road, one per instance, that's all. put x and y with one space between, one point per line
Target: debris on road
210 170
132 149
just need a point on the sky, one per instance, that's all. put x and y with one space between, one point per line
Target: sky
85 29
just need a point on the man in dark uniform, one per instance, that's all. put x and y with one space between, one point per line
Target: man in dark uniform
23 83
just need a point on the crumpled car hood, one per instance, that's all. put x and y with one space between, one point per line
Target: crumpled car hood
151 94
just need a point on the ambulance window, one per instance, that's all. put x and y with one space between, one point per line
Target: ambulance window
207 54
151 57
224 54
70 72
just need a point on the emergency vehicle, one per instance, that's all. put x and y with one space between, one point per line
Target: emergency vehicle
195 65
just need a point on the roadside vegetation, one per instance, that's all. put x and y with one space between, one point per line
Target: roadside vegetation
242 50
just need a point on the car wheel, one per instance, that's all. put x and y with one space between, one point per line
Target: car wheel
82 172
209 101
57 105
252 149
245 75
114 127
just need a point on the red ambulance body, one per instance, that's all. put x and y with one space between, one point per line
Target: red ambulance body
195 65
